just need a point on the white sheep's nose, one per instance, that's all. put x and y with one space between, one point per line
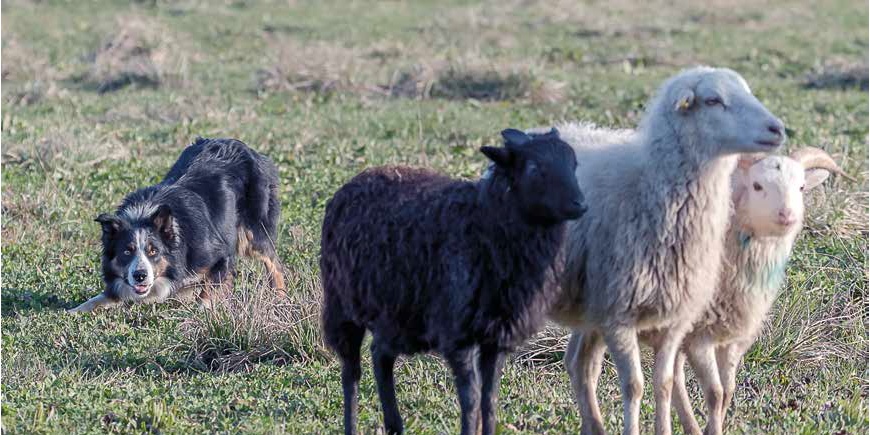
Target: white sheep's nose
786 216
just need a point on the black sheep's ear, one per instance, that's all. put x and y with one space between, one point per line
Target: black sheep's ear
553 132
111 224
163 221
501 156
514 138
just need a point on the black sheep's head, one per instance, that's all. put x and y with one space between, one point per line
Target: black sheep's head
540 170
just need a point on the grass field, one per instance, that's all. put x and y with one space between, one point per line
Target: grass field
99 98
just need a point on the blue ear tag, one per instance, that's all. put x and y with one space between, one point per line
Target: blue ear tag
744 239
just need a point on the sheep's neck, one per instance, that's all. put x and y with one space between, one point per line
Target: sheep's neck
681 182
757 265
495 194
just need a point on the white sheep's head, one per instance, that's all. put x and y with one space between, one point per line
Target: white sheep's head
716 109
767 192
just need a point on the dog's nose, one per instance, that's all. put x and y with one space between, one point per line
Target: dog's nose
140 275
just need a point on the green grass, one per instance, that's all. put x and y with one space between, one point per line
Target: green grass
329 88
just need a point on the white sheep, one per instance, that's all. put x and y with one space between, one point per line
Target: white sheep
768 214
648 251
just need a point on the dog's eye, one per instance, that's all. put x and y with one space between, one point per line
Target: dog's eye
152 252
757 187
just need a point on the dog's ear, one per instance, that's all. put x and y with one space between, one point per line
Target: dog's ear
162 220
111 224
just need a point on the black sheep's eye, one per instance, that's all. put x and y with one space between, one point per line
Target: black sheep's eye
757 187
713 101
532 169
127 252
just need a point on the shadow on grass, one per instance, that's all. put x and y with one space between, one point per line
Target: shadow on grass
16 300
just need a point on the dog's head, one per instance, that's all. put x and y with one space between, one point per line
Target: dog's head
137 249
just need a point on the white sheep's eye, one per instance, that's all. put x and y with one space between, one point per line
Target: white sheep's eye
802 188
757 187
713 101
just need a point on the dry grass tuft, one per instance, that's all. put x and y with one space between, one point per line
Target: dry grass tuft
324 68
137 52
459 82
59 150
311 67
20 62
546 349
473 81
840 74
812 328
30 75
253 323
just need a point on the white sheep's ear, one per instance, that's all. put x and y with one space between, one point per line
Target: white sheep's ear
685 101
815 177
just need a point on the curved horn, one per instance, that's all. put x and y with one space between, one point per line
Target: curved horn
811 157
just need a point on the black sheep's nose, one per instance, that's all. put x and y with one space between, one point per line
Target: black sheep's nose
140 275
576 209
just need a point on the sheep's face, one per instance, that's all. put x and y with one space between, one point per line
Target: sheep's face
540 171
722 110
769 195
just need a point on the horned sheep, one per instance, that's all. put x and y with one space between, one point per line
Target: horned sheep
767 197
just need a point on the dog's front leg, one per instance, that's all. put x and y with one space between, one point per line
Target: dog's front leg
98 301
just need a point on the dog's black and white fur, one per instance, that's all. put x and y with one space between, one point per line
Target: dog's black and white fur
219 200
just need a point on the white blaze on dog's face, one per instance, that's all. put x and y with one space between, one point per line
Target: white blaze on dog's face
769 194
140 272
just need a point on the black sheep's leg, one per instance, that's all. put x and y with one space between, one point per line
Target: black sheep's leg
383 360
467 378
349 352
491 363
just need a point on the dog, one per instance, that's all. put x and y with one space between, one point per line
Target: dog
218 201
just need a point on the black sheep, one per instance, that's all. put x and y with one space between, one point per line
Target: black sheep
463 268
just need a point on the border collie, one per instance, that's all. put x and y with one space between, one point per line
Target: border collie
219 200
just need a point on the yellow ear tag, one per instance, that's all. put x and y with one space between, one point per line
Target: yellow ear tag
684 105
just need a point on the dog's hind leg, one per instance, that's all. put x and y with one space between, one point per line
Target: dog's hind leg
98 301
276 272
259 245
220 275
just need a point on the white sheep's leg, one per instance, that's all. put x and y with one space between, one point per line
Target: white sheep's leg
583 359
663 375
727 358
702 356
98 301
623 345
681 397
